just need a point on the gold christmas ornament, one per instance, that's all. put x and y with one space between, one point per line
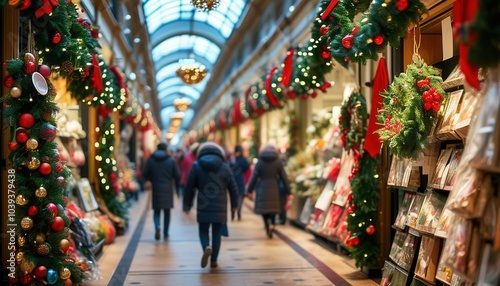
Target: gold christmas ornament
26 223
31 144
41 192
27 266
15 92
43 249
20 200
19 256
40 238
21 240
205 5
65 273
33 164
64 245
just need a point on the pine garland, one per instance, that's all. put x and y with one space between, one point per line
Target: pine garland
363 201
411 108
386 22
38 177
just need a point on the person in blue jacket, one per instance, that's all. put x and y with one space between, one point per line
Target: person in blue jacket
211 178
239 165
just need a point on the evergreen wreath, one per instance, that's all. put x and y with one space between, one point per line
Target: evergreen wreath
353 121
411 107
386 22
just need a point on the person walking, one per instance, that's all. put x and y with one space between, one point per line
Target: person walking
212 178
162 172
239 165
265 178
184 161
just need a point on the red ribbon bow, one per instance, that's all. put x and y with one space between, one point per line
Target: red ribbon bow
46 8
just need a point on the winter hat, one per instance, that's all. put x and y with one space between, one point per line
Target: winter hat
210 148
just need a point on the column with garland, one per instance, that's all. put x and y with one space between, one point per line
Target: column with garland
38 177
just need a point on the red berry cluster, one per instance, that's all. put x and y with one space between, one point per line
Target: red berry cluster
432 99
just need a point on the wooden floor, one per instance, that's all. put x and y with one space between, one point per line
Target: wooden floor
247 256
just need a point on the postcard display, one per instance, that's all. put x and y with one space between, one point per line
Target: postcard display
446 231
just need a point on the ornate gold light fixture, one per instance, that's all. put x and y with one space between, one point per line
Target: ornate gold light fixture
182 104
191 72
205 5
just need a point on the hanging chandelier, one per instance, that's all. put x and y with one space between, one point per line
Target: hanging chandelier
182 103
205 5
191 72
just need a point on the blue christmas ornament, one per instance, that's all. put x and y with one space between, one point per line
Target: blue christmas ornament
52 276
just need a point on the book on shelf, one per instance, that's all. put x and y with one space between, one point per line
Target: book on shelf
409 250
400 277
387 273
428 256
430 211
399 173
451 169
404 209
456 246
443 224
415 210
445 125
397 246
443 159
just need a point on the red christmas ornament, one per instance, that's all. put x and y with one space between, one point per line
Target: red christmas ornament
378 40
436 96
324 29
354 30
351 209
61 181
8 81
427 97
21 136
45 169
58 224
290 94
347 41
314 94
26 120
44 70
13 146
304 96
53 208
33 211
427 106
402 5
26 4
56 38
112 176
29 67
40 271
346 59
370 230
436 106
353 241
326 54
26 279
59 168
68 282
47 132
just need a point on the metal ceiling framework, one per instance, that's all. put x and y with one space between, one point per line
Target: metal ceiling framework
178 31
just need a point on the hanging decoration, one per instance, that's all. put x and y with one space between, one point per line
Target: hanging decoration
35 173
385 22
363 201
411 106
205 5
190 72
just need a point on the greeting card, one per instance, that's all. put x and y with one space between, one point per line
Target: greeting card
403 212
430 211
415 210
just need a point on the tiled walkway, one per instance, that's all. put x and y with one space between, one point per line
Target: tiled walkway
247 256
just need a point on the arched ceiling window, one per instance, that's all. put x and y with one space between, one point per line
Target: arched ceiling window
178 31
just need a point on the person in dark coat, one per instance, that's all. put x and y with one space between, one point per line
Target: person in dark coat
239 165
265 181
162 171
212 178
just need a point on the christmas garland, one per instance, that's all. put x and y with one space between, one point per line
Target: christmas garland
363 200
485 51
37 178
411 107
385 22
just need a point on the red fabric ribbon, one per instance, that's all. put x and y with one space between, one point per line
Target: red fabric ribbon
269 91
464 12
46 8
325 86
380 83
121 83
222 119
96 78
329 9
288 68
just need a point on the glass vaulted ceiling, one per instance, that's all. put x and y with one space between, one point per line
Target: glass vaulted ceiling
178 31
